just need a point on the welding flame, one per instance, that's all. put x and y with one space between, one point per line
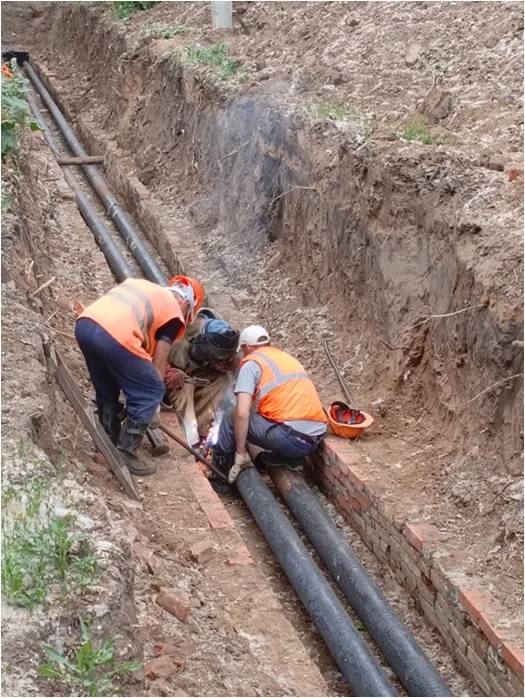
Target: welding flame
213 433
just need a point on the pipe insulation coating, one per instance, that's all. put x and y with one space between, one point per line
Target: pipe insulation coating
397 644
114 211
346 645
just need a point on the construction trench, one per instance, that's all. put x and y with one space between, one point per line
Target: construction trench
243 631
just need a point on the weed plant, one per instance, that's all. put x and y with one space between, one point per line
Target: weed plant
216 56
92 669
41 552
125 10
157 32
417 130
15 114
336 110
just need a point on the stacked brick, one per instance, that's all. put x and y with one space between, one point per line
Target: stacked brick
469 621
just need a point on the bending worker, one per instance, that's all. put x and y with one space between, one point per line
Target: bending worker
202 367
278 410
125 337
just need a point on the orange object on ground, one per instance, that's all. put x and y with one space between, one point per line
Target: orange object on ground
133 312
347 422
7 72
198 289
285 392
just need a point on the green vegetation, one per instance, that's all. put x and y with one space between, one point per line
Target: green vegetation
41 552
216 56
417 130
92 669
125 10
158 32
337 110
15 115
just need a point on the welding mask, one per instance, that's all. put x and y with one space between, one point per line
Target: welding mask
217 341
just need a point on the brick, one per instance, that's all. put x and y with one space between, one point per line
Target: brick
411 580
515 682
443 610
458 638
161 668
513 656
499 686
489 631
473 602
428 612
424 537
461 657
478 663
482 681
175 602
202 552
240 556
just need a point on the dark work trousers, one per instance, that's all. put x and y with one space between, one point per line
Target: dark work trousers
113 368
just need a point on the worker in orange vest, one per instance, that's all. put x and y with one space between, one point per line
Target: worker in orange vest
125 337
277 411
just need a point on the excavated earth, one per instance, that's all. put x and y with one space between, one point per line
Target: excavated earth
406 257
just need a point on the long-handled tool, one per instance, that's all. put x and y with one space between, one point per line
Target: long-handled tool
196 454
340 378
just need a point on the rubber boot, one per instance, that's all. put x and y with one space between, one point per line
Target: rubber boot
108 416
223 462
130 439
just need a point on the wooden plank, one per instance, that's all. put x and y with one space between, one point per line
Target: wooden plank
102 440
85 160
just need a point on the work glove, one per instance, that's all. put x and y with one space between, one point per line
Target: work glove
155 420
242 461
174 379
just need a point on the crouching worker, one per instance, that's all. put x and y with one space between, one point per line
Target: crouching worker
125 337
278 410
202 367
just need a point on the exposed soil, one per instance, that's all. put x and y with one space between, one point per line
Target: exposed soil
320 229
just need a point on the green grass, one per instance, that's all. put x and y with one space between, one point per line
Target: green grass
337 110
92 668
216 56
158 32
15 114
417 130
334 110
125 10
41 552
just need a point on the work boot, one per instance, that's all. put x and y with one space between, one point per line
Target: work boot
223 462
109 418
268 459
130 439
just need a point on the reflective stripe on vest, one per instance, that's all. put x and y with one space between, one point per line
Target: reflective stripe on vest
277 401
133 312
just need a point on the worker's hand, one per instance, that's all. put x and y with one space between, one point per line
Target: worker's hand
242 461
226 365
174 379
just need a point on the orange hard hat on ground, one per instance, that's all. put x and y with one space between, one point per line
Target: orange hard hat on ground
198 289
346 422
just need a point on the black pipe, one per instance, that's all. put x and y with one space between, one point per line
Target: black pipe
399 647
117 215
114 257
345 643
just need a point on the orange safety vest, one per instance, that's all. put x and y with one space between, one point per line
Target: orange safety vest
285 393
133 312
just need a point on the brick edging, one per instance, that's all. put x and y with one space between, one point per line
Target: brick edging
467 618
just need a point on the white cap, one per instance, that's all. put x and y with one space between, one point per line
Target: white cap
254 335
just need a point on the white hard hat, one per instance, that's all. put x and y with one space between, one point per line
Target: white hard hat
254 335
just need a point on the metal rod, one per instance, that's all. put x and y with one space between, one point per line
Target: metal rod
196 454
87 160
345 643
114 211
399 647
340 378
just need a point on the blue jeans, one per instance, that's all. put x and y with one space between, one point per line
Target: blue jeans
264 433
113 368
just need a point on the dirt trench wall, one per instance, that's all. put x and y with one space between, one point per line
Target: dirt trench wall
383 235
